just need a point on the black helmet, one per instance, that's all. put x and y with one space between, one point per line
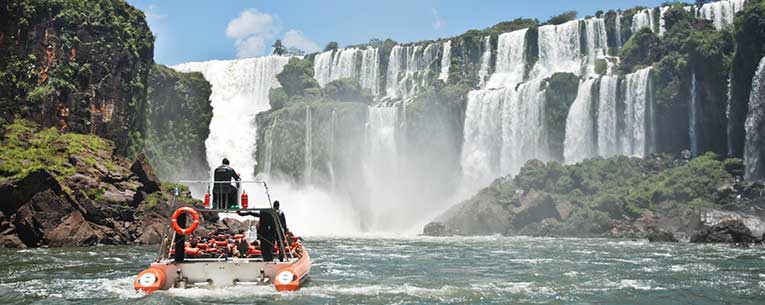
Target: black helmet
225 161
276 204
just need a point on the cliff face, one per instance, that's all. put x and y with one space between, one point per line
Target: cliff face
178 115
78 66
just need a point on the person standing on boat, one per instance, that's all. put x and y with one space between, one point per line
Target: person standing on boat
224 194
282 219
266 235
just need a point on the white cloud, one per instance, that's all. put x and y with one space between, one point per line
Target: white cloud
438 22
296 39
251 30
252 46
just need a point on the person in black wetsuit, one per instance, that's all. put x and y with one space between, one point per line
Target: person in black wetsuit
282 219
266 235
224 194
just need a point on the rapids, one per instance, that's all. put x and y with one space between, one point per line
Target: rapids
374 269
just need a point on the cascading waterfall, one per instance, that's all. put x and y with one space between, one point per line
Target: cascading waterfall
596 43
559 49
239 92
370 70
637 100
480 150
580 136
331 159
643 19
510 64
381 165
618 30
308 153
721 13
692 132
446 61
362 65
755 124
607 129
484 71
523 129
409 67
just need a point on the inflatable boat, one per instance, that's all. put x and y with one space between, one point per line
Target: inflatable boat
225 259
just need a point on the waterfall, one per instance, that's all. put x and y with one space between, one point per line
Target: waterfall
643 19
409 68
596 43
239 92
331 154
637 100
370 70
308 153
579 143
618 30
334 65
485 70
559 49
755 124
381 165
721 13
522 126
510 65
446 61
662 24
692 132
362 65
481 149
269 154
607 132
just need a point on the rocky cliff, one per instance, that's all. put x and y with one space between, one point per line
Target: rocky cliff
68 189
78 66
178 114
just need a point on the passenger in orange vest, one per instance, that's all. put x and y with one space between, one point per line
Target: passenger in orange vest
224 194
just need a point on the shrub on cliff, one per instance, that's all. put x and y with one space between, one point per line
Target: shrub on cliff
297 77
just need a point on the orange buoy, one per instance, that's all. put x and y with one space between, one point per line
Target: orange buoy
188 230
287 280
149 280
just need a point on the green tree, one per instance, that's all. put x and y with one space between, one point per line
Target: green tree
279 48
332 45
297 77
562 18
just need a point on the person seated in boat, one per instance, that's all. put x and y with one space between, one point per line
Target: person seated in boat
282 218
225 194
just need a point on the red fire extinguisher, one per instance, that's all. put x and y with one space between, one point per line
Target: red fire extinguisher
244 200
207 200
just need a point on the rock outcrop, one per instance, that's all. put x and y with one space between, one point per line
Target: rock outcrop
64 189
660 198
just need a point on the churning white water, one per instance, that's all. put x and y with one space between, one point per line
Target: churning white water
239 92
755 124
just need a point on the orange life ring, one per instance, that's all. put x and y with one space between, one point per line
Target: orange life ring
194 225
150 280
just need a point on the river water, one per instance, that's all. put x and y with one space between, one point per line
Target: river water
421 270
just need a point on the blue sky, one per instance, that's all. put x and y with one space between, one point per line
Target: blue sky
195 30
